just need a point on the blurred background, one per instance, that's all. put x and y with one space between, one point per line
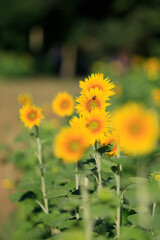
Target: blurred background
48 46
64 38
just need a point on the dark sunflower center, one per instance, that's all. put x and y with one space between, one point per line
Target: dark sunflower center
92 104
64 104
32 116
135 128
74 146
94 126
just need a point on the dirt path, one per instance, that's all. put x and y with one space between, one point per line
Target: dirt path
43 90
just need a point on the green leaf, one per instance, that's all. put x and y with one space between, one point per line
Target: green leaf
73 234
57 194
155 221
104 149
102 210
27 182
106 165
141 219
138 180
121 160
16 196
128 233
153 191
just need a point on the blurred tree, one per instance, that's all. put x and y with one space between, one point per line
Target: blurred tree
97 28
17 17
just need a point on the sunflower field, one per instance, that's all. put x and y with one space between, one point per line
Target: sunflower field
93 172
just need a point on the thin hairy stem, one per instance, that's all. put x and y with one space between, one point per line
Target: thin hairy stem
86 210
77 188
153 209
118 177
98 163
39 156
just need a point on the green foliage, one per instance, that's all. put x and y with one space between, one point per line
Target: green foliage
14 65
138 191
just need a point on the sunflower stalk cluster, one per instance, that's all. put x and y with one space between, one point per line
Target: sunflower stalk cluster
80 194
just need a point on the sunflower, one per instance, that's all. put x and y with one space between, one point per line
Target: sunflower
97 123
75 122
70 144
63 104
156 96
8 183
136 127
92 99
155 176
152 68
24 99
113 140
30 115
97 81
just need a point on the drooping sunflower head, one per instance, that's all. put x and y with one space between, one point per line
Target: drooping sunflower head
24 99
70 144
97 123
113 140
97 81
136 127
63 104
31 115
91 100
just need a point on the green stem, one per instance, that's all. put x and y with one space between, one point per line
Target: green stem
119 208
153 209
120 196
153 214
39 156
98 163
43 186
86 210
77 188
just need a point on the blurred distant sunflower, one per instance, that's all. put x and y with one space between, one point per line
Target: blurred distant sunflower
156 96
152 68
97 81
155 176
63 104
31 115
136 127
92 99
24 99
97 123
70 144
8 183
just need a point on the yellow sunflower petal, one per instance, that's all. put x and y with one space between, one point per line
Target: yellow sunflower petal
137 128
92 99
30 115
97 81
24 99
112 139
70 144
97 123
155 94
